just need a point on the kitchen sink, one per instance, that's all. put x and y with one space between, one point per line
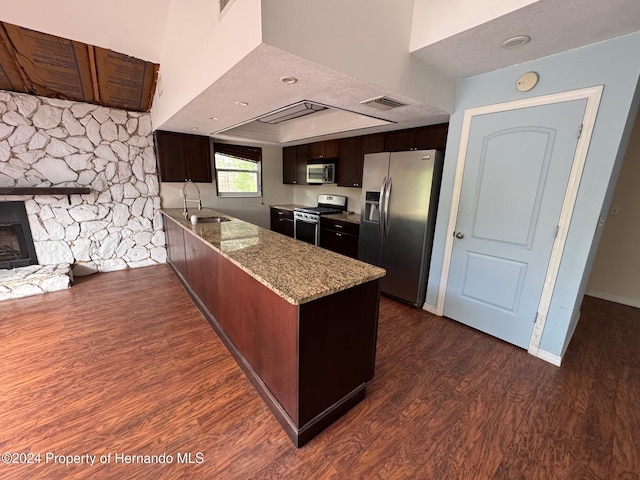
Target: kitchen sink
212 219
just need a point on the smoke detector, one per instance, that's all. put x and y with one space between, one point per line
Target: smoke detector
383 103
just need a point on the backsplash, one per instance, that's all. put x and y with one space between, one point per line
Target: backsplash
308 195
46 142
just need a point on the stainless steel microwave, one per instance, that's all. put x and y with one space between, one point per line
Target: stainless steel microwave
321 172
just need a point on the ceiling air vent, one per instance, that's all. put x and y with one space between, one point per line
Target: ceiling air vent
382 103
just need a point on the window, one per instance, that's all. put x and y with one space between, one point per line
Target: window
238 170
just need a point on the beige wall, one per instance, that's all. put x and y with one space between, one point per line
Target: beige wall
616 272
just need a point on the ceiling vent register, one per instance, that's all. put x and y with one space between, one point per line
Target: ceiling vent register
383 103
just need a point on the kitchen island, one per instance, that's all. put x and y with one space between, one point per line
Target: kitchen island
300 321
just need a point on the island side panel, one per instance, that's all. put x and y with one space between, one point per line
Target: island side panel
202 273
263 327
337 350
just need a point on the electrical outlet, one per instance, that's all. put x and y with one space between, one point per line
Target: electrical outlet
615 210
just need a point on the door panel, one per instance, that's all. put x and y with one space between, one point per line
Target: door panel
516 173
527 179
483 272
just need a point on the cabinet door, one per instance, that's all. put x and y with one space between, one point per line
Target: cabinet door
433 136
340 237
339 242
170 156
373 143
399 141
289 166
350 161
175 246
326 149
282 221
197 157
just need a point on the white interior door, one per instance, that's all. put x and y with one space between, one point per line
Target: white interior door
516 173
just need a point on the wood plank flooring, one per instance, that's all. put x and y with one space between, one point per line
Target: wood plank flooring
123 363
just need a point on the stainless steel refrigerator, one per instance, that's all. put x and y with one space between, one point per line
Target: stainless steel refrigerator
399 200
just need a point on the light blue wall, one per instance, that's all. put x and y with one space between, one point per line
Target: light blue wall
614 64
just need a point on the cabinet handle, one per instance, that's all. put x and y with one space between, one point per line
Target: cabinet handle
280 213
338 234
337 226
293 181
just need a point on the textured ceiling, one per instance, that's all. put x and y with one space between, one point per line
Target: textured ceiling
553 25
256 81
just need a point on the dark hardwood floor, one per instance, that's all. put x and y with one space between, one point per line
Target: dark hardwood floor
123 363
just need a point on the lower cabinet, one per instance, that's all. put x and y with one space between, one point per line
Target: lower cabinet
175 246
339 236
282 221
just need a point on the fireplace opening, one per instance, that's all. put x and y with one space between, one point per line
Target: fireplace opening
16 242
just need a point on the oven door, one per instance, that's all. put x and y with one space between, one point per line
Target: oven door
307 230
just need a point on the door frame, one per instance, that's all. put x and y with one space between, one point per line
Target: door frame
593 96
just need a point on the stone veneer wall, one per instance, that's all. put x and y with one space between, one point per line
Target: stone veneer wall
48 142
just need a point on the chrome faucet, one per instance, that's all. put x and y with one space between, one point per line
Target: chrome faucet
183 194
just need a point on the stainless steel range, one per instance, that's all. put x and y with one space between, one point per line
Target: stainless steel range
307 219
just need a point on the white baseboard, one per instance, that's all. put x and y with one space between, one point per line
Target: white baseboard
431 309
613 298
547 357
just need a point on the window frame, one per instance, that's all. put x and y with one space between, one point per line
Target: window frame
240 152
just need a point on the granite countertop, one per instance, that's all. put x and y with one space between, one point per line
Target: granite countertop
287 207
350 217
295 270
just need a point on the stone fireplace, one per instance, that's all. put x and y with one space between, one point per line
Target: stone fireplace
16 243
48 144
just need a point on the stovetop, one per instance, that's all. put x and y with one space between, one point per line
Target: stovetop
327 204
317 210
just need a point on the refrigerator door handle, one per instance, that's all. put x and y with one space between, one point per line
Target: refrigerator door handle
383 189
386 208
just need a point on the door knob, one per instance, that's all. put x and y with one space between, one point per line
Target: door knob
459 235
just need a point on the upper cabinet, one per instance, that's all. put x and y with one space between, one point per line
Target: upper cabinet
350 161
294 164
373 143
350 152
421 138
183 157
326 149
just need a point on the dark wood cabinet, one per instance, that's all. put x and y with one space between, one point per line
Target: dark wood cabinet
433 136
183 157
350 152
421 138
399 141
350 161
340 237
326 149
294 165
282 221
373 143
175 246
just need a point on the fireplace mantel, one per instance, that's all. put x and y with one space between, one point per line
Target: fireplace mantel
44 190
68 191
